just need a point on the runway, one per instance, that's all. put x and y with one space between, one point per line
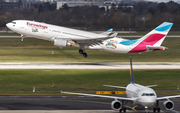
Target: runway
89 65
66 104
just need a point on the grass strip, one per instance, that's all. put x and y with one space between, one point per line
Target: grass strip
83 80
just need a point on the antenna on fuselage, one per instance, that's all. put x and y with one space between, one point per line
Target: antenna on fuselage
131 71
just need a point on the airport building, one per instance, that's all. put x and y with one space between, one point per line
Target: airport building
8 5
73 3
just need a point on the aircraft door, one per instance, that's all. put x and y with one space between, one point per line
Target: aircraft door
46 30
22 25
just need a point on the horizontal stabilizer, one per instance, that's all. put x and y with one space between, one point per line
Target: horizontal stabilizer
115 86
149 47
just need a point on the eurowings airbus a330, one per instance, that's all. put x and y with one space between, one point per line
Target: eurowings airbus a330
62 37
136 94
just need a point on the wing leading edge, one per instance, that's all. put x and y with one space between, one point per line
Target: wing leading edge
103 96
168 97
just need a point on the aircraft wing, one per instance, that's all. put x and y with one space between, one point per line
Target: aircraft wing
103 96
115 86
95 41
88 42
168 97
151 86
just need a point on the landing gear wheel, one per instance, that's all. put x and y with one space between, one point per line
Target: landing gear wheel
22 37
124 110
154 109
80 51
84 55
158 109
146 109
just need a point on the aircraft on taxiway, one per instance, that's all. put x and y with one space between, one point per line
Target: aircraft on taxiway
137 95
62 37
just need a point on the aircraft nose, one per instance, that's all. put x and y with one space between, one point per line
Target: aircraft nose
8 25
148 101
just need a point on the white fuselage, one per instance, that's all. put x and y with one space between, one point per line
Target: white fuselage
144 96
49 32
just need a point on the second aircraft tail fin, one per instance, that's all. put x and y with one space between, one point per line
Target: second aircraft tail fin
131 71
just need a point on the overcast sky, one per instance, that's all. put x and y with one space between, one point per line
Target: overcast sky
163 0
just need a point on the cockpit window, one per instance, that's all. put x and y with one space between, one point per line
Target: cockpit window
148 94
13 22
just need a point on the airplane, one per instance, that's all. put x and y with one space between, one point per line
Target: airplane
136 94
63 36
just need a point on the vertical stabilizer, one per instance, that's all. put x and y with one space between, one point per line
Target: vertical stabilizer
152 39
131 71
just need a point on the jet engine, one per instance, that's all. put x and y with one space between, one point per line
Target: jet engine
116 105
169 105
60 42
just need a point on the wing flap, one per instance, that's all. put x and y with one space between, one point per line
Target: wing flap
90 42
96 41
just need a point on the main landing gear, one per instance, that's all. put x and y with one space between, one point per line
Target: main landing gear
123 109
156 108
81 52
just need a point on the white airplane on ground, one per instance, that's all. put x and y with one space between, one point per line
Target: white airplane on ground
137 95
62 37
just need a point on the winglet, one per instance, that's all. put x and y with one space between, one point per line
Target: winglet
107 32
131 71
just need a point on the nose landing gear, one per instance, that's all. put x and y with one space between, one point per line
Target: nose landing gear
22 37
146 109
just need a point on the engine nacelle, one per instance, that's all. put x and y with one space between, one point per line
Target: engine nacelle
60 42
169 105
116 105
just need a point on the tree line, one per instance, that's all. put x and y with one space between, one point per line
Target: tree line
140 15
